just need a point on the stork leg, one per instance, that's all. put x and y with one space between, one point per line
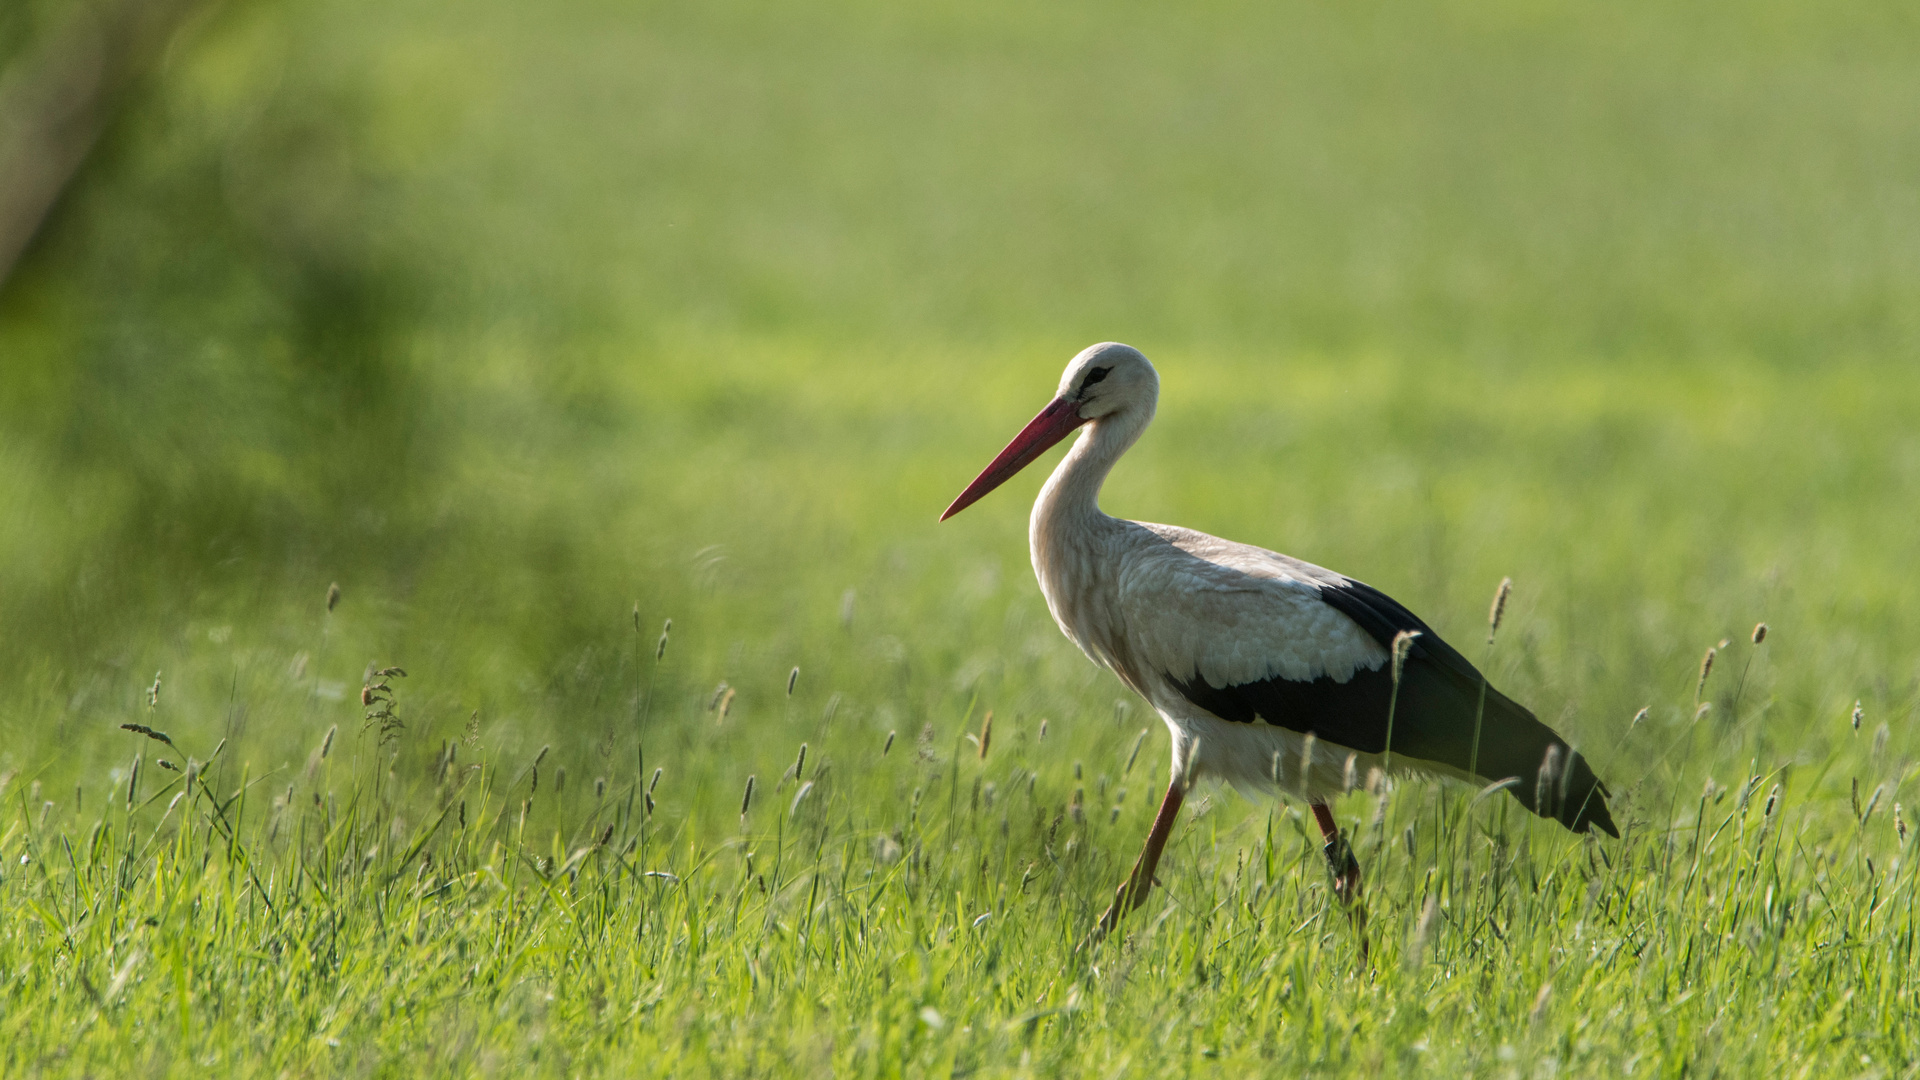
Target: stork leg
1346 873
1134 891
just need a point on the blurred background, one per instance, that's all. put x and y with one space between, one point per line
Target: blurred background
530 323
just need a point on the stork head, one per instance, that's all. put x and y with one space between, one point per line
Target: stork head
1106 382
1109 378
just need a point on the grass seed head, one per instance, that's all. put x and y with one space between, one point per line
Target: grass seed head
792 678
1773 798
1545 796
1540 1002
1402 645
986 733
726 704
1140 740
1899 823
142 729
153 692
1706 669
1638 717
376 695
1859 714
1499 609
333 597
746 798
800 762
888 745
1043 730
655 782
1759 633
1423 929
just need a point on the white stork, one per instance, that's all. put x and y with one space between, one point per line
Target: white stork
1270 673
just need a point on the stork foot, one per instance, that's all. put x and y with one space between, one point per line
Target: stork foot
1345 870
1130 895
1346 888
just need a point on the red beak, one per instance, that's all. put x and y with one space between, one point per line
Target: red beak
1054 423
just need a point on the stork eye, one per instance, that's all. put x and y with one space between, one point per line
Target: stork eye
1094 376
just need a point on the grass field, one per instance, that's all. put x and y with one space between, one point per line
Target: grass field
535 328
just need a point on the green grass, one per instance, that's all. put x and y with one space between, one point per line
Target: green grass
356 922
533 328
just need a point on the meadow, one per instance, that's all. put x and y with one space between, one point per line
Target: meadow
598 372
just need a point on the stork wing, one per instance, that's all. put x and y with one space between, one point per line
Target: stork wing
1250 635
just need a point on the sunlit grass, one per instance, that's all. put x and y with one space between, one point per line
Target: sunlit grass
444 901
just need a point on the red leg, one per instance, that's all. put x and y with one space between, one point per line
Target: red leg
1346 873
1134 892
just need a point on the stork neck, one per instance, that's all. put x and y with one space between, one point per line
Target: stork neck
1071 495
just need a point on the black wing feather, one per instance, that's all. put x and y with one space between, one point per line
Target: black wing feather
1440 698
